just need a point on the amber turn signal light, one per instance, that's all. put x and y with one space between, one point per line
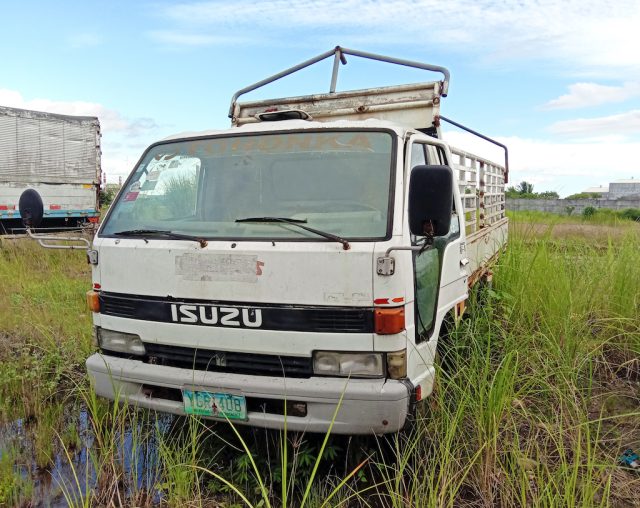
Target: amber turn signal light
397 365
93 301
388 320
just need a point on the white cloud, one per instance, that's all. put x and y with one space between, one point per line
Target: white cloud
592 94
622 123
117 165
181 38
577 34
564 167
110 119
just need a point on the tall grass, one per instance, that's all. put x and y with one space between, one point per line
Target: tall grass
599 216
45 328
520 419
539 399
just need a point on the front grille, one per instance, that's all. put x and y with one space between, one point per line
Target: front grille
299 318
121 307
224 361
342 321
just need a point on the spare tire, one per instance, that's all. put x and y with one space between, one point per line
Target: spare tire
31 208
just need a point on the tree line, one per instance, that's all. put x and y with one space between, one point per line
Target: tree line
524 190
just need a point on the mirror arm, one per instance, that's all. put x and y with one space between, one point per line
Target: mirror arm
405 247
386 265
42 239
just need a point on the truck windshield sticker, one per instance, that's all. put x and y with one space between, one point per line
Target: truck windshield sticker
270 143
335 181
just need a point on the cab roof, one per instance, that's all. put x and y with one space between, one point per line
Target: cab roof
294 125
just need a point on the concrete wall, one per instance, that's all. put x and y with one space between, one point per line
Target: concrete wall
560 205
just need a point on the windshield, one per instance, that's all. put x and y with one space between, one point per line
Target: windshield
334 181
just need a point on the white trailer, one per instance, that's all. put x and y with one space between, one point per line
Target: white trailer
58 156
308 255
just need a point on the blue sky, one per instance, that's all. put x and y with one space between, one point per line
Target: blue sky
558 81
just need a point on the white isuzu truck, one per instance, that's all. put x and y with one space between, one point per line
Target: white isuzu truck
301 261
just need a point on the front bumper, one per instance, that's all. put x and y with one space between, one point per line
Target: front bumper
369 406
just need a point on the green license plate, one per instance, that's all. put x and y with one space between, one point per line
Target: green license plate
217 405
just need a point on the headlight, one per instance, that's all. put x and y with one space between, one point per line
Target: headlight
120 342
329 363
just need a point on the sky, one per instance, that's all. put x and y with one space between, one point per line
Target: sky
557 81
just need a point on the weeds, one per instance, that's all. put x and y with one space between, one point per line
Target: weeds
540 398
15 487
44 326
589 215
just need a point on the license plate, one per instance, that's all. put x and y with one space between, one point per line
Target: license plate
217 405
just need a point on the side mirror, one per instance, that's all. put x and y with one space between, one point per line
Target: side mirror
31 208
430 199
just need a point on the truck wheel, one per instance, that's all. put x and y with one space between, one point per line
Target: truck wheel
482 288
445 351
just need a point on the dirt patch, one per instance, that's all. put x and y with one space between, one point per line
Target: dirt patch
6 345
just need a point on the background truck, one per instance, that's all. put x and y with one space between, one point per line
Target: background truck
59 157
301 265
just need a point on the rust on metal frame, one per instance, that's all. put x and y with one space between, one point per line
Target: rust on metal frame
484 272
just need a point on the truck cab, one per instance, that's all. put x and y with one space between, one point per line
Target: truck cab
296 267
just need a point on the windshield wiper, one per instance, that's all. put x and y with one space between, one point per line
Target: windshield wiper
161 232
272 219
300 223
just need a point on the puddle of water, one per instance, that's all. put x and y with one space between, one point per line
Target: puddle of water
73 472
134 456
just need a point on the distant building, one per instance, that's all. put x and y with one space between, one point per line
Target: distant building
617 190
624 189
603 190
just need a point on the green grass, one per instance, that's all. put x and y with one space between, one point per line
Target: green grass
540 397
602 216
15 488
45 328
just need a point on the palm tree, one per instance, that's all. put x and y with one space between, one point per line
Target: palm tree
525 188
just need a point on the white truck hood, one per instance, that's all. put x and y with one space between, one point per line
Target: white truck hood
284 273
176 280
